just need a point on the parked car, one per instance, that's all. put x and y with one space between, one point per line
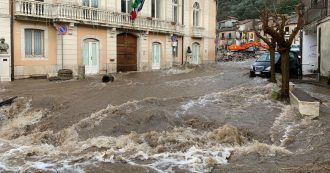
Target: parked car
261 67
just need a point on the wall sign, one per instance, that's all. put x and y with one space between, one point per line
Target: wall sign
62 29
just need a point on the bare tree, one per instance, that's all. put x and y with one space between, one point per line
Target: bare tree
272 45
276 29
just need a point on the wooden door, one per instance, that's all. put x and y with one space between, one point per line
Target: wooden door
126 53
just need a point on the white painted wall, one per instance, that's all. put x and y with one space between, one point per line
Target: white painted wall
309 53
111 50
69 50
5 33
325 46
5 21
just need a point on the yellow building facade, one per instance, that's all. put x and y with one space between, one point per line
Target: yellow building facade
53 34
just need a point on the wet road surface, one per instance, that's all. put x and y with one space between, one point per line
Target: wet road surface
212 118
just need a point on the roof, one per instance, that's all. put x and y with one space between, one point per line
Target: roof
244 21
292 20
227 29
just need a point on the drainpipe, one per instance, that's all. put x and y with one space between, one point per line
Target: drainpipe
12 38
183 33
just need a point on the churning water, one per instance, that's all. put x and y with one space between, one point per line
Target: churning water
191 133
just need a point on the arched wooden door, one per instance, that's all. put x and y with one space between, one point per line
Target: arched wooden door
126 53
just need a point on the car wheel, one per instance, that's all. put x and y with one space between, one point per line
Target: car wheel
252 74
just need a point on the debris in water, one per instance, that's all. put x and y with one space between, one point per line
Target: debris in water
108 78
227 134
7 101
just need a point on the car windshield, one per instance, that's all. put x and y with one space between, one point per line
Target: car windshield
264 58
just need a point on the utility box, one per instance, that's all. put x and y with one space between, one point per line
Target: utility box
5 71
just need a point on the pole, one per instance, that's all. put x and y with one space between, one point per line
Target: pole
62 51
12 47
183 32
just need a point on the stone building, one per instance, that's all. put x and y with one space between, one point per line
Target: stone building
53 34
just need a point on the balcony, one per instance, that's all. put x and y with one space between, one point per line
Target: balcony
318 4
312 15
197 31
30 10
318 10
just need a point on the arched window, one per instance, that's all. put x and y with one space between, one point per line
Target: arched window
196 11
175 11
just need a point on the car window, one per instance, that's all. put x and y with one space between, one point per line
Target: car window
277 57
293 60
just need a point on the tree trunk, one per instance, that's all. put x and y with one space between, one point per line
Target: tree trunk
272 64
285 73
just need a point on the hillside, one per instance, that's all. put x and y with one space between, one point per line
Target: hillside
248 9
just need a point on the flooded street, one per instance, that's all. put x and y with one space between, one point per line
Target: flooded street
212 118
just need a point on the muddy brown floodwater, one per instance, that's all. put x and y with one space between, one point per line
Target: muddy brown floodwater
212 118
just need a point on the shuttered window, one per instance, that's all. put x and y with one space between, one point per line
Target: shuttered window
34 43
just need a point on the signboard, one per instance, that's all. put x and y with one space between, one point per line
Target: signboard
62 29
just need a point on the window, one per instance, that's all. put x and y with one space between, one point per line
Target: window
175 10
91 3
251 36
34 43
196 10
126 6
155 8
90 13
229 35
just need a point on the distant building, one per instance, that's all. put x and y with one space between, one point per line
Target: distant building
289 27
227 31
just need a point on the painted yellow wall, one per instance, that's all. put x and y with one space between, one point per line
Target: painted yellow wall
51 53
99 33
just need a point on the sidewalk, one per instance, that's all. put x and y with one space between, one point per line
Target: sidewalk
312 81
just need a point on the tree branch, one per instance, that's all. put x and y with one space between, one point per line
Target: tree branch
299 24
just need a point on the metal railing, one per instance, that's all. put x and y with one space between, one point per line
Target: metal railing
89 15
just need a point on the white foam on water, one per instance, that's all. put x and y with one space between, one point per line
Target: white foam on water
185 148
240 97
193 81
